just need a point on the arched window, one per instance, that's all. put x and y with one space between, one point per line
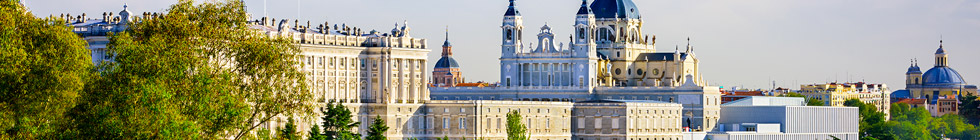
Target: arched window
510 34
581 33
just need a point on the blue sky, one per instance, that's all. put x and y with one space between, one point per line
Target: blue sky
740 43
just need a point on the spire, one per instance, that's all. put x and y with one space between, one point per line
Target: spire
941 50
447 49
444 44
584 9
689 47
512 10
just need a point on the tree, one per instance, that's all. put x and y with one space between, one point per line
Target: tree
377 130
970 109
196 72
337 124
869 118
289 132
515 129
43 69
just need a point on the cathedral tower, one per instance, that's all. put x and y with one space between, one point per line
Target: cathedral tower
512 27
584 42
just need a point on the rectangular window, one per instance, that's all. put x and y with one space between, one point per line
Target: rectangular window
445 123
462 123
581 123
615 123
598 123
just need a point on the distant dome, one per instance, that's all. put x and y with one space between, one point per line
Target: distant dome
615 9
942 76
914 70
447 62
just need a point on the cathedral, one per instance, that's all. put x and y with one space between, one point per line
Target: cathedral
446 72
607 57
940 86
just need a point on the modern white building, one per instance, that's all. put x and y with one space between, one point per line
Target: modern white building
784 118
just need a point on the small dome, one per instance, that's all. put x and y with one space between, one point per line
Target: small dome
914 70
447 62
942 76
615 9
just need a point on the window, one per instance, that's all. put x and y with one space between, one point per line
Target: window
598 122
510 34
615 123
581 33
445 123
462 123
581 123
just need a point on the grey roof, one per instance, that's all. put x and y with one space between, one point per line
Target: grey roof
658 56
623 101
615 9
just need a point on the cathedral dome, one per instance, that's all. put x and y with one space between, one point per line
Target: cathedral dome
942 75
615 9
447 62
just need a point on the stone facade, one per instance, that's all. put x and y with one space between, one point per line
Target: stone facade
607 58
383 75
626 120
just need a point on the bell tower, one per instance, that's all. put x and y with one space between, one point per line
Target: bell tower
512 29
584 42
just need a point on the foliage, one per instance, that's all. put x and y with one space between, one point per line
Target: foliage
515 129
834 137
377 130
337 124
868 115
970 109
43 69
917 123
809 101
263 134
289 132
196 72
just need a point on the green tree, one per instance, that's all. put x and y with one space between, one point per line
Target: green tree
377 130
195 72
289 131
337 124
43 69
515 129
970 109
870 118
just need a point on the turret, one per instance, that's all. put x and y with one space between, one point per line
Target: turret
941 56
512 28
914 75
584 42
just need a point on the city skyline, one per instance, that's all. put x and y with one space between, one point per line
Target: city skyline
739 43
